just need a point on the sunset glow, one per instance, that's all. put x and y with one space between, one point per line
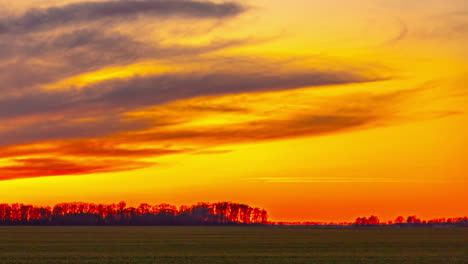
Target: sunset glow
312 109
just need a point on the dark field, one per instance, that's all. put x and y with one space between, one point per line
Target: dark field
232 245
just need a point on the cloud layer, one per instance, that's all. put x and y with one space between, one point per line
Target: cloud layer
95 127
36 19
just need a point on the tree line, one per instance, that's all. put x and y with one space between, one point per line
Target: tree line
221 213
411 220
399 221
78 213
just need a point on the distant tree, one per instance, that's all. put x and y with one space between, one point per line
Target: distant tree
413 219
399 220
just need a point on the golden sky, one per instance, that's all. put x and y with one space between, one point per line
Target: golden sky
312 109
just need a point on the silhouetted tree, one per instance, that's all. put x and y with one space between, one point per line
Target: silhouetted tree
120 214
399 220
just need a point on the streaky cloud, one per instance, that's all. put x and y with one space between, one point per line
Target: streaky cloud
40 167
87 148
68 54
367 110
43 19
129 94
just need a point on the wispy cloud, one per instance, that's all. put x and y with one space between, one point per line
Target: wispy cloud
48 59
326 180
333 115
41 19
139 92
39 167
96 122
330 179
50 44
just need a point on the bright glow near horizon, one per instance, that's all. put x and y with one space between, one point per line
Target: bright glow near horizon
314 110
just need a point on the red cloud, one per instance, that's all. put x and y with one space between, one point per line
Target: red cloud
28 168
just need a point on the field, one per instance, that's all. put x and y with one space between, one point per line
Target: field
270 245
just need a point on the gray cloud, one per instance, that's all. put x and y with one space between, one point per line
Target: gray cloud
36 52
111 98
28 61
66 128
345 113
262 130
125 95
44 19
80 51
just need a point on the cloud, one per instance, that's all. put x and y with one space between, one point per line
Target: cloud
127 146
211 152
54 53
284 180
40 167
261 130
98 148
93 128
402 34
333 115
138 92
48 58
79 47
448 27
41 19
66 128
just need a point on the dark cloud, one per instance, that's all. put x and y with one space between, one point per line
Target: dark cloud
125 95
145 91
37 19
67 128
80 47
28 61
349 113
261 130
343 113
89 124
46 59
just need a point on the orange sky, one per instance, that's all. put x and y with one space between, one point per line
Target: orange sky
314 110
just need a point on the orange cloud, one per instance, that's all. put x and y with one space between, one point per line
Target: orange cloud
39 167
186 136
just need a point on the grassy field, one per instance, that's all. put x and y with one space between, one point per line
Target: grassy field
141 245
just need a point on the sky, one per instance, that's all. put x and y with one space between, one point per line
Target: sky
315 110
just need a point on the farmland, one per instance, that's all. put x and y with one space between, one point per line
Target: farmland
231 244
